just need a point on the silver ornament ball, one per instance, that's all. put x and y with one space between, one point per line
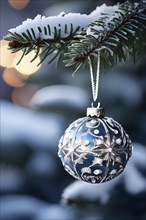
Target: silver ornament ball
95 148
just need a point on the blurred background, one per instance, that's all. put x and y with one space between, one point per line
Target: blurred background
38 104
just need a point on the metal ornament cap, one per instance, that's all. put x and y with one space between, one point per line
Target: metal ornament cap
95 148
98 112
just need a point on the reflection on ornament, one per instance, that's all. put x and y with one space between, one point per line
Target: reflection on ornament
95 148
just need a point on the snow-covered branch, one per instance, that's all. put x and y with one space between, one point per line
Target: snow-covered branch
116 30
61 25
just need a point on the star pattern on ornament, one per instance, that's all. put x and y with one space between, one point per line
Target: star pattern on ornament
74 152
107 150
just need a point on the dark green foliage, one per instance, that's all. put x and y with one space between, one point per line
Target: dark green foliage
118 37
123 35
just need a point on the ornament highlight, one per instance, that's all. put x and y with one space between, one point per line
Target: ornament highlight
95 148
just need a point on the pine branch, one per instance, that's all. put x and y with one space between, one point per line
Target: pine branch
41 32
117 31
116 37
18 42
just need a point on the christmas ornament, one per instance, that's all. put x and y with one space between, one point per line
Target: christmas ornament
95 148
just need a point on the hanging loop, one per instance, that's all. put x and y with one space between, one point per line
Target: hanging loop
95 104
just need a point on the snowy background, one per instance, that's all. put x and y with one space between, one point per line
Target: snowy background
37 108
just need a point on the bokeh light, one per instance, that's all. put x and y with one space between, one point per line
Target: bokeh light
6 57
25 66
13 78
22 96
19 4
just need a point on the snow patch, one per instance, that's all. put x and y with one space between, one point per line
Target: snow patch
65 24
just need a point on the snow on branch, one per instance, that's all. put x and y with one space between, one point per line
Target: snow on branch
117 35
62 25
116 30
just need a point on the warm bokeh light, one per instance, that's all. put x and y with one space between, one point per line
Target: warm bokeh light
13 78
18 4
6 57
25 66
22 96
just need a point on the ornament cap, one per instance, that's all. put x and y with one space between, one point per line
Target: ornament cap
98 112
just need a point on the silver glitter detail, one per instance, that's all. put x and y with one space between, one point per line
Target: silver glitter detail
96 172
95 149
